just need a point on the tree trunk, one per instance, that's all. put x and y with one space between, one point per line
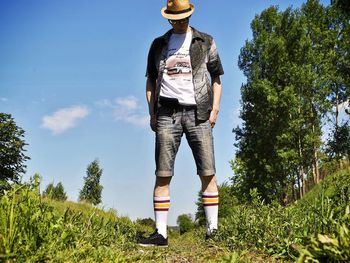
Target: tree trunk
337 154
295 197
303 180
300 184
315 167
301 177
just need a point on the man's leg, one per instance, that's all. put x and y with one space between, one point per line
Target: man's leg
210 199
168 139
209 183
200 138
161 202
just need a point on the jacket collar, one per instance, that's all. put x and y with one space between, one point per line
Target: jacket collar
195 35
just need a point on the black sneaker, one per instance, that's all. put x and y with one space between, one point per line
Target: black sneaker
212 235
154 240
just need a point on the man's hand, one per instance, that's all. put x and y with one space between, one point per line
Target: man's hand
153 122
213 116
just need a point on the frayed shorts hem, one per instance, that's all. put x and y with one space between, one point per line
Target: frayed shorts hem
200 173
164 174
206 173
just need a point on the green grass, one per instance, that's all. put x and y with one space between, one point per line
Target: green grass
314 229
33 229
334 186
297 231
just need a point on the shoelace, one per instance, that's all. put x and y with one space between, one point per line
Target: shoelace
153 236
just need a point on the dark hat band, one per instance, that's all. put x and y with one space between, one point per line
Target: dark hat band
177 12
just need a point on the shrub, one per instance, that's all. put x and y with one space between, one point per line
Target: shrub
185 223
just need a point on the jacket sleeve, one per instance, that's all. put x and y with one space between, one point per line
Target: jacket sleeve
214 63
151 70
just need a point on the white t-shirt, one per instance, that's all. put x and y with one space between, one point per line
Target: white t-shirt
177 77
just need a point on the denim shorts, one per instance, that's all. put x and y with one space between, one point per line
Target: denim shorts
171 125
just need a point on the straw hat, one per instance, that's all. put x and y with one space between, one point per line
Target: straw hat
177 9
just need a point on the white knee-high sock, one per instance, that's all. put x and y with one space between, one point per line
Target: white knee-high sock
211 207
161 208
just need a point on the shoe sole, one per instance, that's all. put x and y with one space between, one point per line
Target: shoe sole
152 245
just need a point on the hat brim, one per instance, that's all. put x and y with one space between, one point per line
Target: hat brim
177 16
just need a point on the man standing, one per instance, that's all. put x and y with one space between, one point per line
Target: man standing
183 92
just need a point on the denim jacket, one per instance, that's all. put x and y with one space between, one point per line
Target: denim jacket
205 63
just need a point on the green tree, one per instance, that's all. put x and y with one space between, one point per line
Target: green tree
60 194
342 5
149 222
339 26
12 156
49 190
264 157
55 192
92 189
338 146
185 223
288 65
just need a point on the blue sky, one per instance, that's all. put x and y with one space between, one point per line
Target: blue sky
72 76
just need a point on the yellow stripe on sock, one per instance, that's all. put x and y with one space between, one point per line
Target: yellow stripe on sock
210 200
161 205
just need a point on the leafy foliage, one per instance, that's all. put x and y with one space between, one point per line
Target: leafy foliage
12 156
185 223
148 222
92 189
342 5
297 69
55 192
330 248
338 146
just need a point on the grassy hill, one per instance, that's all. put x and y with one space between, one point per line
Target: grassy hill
336 186
313 229
34 229
316 227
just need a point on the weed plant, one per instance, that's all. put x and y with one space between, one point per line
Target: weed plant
313 229
33 229
333 247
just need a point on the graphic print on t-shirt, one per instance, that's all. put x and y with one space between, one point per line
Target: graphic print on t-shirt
177 75
179 68
178 61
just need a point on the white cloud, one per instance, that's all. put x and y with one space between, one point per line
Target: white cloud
126 109
128 103
64 119
3 99
137 120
